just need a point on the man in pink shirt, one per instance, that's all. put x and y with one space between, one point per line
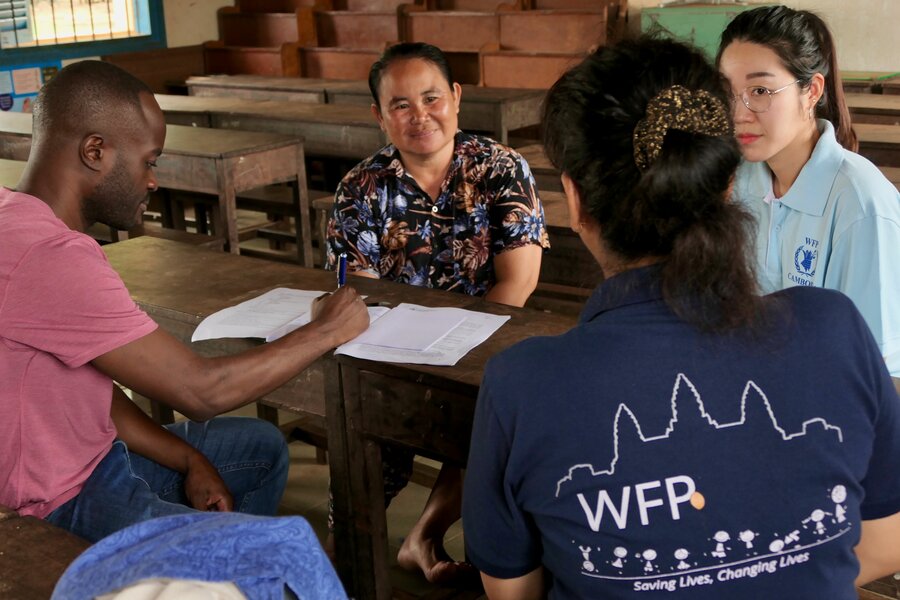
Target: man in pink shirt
73 448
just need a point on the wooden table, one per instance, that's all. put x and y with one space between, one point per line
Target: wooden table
33 556
425 408
259 87
11 172
874 108
327 130
495 111
545 174
211 161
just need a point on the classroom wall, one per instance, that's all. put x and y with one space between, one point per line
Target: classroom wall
865 31
191 22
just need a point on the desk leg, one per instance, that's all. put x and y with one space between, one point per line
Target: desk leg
227 225
301 206
358 489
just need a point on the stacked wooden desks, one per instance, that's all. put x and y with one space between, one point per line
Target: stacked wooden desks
219 162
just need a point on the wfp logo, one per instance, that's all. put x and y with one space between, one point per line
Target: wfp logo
805 257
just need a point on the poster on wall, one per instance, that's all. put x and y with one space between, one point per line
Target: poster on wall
15 23
19 86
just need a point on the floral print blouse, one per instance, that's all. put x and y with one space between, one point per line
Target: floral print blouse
390 228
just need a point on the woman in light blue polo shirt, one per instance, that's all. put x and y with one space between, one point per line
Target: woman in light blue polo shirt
827 216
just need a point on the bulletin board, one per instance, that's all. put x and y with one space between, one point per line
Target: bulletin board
19 85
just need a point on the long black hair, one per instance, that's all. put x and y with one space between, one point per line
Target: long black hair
804 44
678 208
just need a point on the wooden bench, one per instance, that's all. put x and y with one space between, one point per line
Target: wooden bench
336 63
356 30
881 109
893 175
879 143
256 28
279 6
234 60
164 70
33 556
552 31
451 31
259 87
369 5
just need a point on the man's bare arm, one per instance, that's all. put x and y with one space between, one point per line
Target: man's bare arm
161 368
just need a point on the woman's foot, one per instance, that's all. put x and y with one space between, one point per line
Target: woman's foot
429 556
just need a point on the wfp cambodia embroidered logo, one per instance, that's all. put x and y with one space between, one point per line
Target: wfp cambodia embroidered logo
805 257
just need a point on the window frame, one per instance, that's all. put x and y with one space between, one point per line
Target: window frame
13 57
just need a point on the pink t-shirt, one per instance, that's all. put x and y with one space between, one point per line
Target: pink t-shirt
61 306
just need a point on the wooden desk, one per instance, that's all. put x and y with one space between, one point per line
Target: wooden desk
874 108
33 556
495 111
428 409
11 172
209 161
259 87
879 143
545 174
327 130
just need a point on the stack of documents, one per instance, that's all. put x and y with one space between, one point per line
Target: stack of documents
406 334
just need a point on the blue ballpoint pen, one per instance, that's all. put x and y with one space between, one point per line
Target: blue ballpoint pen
342 270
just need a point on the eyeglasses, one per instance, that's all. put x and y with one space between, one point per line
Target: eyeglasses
758 98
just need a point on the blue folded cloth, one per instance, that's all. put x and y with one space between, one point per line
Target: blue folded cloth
263 556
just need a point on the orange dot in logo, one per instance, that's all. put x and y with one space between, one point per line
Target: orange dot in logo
698 501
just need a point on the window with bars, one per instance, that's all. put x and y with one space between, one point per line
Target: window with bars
72 28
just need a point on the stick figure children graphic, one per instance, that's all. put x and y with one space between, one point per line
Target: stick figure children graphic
817 517
839 495
720 538
620 554
680 555
649 555
747 537
587 565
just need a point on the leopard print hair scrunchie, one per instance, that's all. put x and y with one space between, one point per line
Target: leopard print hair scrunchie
677 107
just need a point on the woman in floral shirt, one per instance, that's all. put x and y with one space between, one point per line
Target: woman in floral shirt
436 208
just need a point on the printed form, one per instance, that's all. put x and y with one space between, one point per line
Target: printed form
406 334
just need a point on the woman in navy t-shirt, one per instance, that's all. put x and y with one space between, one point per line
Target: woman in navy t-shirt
690 438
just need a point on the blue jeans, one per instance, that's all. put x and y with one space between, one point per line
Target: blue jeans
250 455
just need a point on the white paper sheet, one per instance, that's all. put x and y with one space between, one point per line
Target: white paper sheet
276 310
410 327
472 329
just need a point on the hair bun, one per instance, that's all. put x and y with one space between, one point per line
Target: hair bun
677 107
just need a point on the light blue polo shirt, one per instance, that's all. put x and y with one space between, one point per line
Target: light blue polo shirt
837 227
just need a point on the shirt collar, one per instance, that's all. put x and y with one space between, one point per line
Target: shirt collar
810 192
633 286
389 159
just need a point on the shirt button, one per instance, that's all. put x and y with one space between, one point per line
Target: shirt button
434 209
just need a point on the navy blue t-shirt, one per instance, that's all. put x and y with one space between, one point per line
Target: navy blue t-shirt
636 457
